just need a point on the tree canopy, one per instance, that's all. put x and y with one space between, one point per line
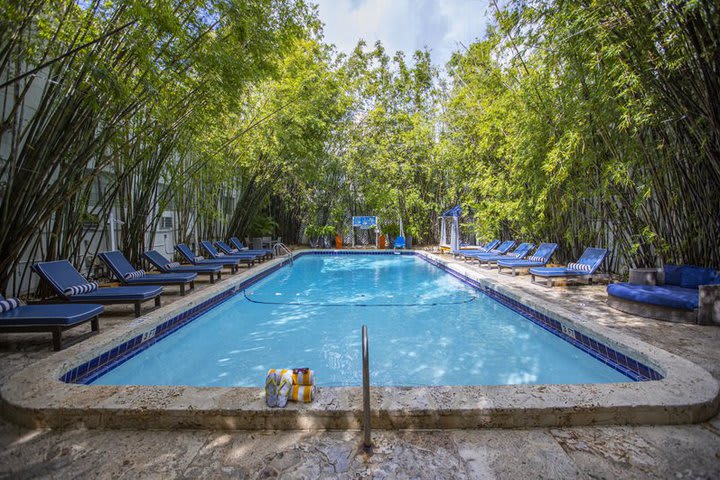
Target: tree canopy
584 123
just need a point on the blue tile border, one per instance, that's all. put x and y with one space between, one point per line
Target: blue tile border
631 368
89 371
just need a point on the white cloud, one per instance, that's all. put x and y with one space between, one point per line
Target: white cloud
406 25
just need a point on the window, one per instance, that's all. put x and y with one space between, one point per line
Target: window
166 222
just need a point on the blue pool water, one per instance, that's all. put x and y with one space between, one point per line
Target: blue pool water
425 327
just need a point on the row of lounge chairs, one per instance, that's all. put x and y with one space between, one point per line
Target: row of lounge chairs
499 254
683 293
85 300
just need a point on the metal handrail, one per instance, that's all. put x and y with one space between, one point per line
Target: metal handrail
278 247
367 443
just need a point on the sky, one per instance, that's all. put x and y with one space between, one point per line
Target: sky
406 25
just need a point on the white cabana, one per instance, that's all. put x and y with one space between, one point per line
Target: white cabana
453 214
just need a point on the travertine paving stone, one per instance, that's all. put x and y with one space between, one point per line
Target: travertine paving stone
667 452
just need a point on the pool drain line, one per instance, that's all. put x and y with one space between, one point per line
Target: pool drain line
311 304
367 443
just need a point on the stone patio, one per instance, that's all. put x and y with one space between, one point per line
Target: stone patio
680 451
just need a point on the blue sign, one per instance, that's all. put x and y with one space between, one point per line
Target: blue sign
364 222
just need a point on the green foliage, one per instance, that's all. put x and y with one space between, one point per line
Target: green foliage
583 123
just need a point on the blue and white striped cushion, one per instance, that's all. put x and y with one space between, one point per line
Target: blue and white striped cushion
234 250
579 266
78 289
537 259
8 304
199 258
172 265
514 255
135 274
220 254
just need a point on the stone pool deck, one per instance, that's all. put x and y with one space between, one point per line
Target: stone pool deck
679 451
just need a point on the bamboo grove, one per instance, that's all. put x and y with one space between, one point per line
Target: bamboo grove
585 123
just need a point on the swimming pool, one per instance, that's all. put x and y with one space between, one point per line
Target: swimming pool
54 392
426 328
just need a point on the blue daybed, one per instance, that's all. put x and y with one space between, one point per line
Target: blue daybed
686 294
50 318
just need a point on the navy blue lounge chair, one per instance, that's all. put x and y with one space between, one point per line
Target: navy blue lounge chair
166 266
242 248
126 274
188 255
502 249
247 259
484 249
50 318
399 242
74 288
518 254
228 250
541 258
583 268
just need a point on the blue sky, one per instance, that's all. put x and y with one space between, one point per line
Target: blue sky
406 25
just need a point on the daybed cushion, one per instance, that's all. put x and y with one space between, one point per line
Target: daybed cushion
690 276
670 296
39 315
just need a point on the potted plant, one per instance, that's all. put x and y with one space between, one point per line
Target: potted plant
410 232
327 233
391 231
339 238
312 232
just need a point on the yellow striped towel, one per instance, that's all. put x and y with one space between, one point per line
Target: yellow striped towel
302 393
300 376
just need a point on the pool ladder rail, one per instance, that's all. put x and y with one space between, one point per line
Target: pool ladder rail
281 247
367 442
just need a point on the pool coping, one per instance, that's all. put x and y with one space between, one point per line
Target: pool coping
36 397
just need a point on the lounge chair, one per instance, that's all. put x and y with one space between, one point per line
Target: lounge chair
502 249
685 293
241 247
246 259
583 268
166 266
188 254
127 275
484 249
74 288
49 318
541 257
399 242
518 254
228 250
